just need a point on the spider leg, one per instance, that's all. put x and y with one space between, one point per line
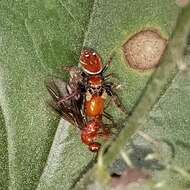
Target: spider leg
109 117
110 75
118 103
109 89
107 65
107 104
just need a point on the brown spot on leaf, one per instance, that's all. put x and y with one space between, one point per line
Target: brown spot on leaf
144 50
182 3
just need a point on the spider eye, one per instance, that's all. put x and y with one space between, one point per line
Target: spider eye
90 90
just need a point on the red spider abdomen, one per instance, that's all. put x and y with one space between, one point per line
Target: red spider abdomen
91 62
94 107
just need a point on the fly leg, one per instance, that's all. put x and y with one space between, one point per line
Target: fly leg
66 98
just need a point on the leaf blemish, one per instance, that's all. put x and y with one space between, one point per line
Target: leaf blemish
144 50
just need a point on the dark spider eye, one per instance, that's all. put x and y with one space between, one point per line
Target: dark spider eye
90 90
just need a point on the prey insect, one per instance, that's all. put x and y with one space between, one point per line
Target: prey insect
81 100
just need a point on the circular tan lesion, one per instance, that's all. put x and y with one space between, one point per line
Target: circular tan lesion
182 3
144 50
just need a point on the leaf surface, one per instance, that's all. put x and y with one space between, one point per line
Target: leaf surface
38 38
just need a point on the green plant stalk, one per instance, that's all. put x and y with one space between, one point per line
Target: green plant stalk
156 86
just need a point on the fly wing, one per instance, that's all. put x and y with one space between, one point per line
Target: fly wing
61 86
64 112
57 88
70 109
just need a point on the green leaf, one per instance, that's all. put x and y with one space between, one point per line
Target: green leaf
38 38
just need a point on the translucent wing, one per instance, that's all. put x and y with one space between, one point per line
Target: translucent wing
70 109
